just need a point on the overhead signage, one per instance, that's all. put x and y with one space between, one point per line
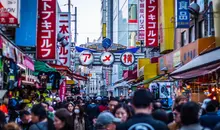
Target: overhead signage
64 51
86 58
182 18
127 58
9 12
107 58
46 35
141 20
151 23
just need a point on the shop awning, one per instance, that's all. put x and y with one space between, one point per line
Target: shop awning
2 94
68 72
147 81
42 67
204 64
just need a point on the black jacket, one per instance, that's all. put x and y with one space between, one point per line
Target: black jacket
25 126
142 121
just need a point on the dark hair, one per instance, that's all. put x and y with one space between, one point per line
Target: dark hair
65 117
39 110
81 113
124 106
155 105
190 113
46 103
23 113
69 104
178 107
211 106
113 99
142 98
160 115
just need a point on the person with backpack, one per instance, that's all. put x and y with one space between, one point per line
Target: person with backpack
143 105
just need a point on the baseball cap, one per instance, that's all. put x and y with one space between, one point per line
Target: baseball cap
106 118
205 102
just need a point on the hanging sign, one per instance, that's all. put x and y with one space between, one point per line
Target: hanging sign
64 51
86 58
107 58
141 20
182 18
46 32
9 12
127 58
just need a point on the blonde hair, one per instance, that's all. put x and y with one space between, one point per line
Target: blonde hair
12 126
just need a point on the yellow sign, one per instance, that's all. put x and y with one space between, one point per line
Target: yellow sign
70 82
104 30
166 25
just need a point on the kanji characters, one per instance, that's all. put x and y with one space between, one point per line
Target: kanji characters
127 58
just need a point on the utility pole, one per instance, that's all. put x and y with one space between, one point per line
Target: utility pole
75 36
69 17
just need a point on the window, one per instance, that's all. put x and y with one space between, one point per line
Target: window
202 29
211 31
183 39
191 34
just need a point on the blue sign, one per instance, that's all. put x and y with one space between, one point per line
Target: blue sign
106 43
26 33
182 14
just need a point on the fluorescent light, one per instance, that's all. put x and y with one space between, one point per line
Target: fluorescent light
21 66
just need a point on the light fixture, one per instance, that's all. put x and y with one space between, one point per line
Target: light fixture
21 66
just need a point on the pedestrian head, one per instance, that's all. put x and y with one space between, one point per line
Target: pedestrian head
45 105
106 121
212 106
112 103
142 100
190 113
11 126
25 116
176 113
38 113
160 115
122 111
70 107
180 100
62 120
157 105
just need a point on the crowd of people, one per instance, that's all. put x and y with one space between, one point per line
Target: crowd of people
101 113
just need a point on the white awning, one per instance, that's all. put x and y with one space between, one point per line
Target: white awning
199 66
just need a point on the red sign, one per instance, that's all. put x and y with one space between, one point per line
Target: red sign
64 51
46 35
62 90
141 20
151 23
9 12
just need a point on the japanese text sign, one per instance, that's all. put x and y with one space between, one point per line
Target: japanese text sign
107 58
127 58
151 23
46 35
64 51
9 12
141 20
86 58
182 14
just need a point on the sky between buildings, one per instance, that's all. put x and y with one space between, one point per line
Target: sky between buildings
89 18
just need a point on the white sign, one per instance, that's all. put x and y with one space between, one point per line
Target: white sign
107 58
86 58
127 58
141 20
9 12
64 51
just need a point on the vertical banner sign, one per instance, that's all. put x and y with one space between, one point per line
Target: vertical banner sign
46 33
151 23
64 51
9 12
62 90
182 14
141 20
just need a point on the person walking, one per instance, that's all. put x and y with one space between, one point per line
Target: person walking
79 118
25 122
40 119
142 118
62 120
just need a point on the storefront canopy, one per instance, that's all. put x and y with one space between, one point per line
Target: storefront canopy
147 81
204 64
42 67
